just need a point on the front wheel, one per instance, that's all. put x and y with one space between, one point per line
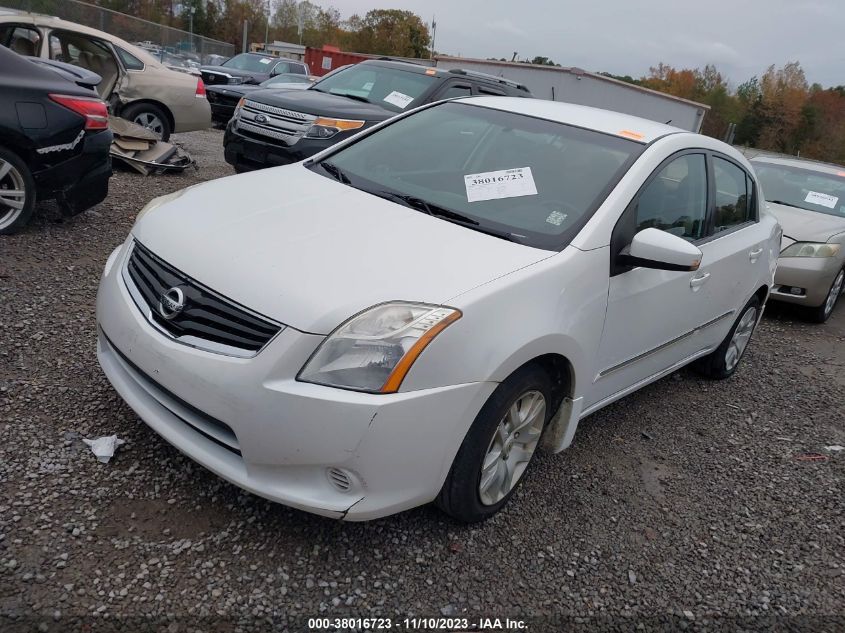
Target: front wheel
823 312
724 360
498 448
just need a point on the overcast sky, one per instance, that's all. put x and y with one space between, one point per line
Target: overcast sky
626 37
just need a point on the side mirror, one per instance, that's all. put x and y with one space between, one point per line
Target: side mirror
653 248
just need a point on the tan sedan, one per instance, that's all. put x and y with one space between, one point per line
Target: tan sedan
136 85
808 199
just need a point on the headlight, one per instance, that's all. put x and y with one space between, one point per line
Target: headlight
239 107
235 80
809 249
157 202
327 128
374 350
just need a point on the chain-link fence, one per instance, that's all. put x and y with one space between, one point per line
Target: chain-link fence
173 47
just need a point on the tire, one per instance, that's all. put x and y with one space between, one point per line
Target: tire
150 116
823 312
462 495
15 209
724 360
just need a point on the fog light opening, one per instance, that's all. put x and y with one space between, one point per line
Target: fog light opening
339 478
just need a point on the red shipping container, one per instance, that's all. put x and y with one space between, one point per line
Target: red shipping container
326 59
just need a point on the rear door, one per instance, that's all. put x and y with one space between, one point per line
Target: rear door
86 52
734 248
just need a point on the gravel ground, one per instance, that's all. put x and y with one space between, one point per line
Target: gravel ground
682 506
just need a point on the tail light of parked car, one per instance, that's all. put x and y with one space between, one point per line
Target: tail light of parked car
200 94
94 110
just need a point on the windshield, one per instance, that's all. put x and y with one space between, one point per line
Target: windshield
286 78
803 188
530 180
249 63
393 89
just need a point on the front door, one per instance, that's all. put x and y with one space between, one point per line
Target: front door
654 316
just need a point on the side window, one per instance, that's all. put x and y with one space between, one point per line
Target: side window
455 90
282 67
23 40
129 61
490 92
297 69
733 195
676 200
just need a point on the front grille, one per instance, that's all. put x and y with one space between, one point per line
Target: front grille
207 320
281 124
213 79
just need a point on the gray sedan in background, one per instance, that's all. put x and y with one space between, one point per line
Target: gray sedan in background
808 199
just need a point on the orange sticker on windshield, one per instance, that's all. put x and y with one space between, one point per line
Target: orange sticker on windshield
634 135
841 173
430 71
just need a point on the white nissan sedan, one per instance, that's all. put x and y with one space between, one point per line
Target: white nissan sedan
409 315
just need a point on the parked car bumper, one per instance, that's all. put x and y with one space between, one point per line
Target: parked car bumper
805 280
246 153
284 436
222 112
81 181
189 118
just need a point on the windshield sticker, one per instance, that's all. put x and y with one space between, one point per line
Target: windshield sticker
398 99
556 217
495 185
264 60
821 199
368 86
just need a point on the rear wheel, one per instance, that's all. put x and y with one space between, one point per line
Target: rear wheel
149 116
823 312
498 448
17 193
724 360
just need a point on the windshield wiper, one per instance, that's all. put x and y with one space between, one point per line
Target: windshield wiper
335 171
788 204
349 95
445 214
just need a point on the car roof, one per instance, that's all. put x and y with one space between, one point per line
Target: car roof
616 123
37 19
811 165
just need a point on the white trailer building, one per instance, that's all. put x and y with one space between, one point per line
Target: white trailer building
574 85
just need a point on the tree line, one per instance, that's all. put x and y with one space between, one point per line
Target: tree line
776 111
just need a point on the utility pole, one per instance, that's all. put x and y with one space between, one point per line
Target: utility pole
244 44
191 22
267 28
433 35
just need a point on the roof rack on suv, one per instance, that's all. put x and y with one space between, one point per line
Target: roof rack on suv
500 80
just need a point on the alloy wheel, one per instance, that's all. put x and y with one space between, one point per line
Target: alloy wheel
835 291
512 447
741 337
12 194
151 122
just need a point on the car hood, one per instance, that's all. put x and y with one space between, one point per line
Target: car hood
801 225
234 72
233 89
322 104
311 252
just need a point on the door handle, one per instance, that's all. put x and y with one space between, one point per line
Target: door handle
753 255
699 280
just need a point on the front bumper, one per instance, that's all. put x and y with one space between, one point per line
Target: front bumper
812 276
246 152
81 181
250 422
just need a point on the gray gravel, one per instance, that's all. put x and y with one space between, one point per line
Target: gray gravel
684 503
